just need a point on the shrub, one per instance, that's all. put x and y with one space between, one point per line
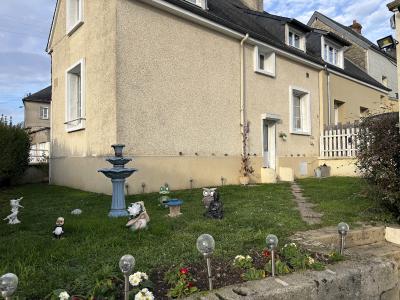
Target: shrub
379 157
14 152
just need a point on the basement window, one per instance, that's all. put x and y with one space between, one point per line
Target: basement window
300 111
74 16
75 106
264 61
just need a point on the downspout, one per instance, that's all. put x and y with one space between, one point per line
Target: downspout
328 87
242 91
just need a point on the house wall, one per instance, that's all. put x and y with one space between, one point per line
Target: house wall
191 77
94 42
379 66
353 94
32 118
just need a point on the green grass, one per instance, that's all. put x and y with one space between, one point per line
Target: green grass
344 199
94 243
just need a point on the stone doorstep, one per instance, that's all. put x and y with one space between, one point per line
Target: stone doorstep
361 279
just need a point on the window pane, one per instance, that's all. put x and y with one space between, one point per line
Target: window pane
291 38
261 62
297 41
74 96
297 122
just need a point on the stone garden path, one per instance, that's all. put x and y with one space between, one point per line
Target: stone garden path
306 208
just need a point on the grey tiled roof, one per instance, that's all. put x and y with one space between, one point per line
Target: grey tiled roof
40 96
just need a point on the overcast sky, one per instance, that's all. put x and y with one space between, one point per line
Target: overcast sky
24 27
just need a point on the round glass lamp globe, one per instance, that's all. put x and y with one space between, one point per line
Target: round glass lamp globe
272 241
126 264
8 284
205 244
343 228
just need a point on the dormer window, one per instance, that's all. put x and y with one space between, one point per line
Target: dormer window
332 53
201 3
74 16
295 38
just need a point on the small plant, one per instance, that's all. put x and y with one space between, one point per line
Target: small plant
181 281
246 168
144 294
298 259
253 274
243 262
281 268
335 256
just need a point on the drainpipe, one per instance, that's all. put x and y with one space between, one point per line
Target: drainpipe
242 90
328 86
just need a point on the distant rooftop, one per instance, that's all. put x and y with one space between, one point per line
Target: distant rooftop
40 96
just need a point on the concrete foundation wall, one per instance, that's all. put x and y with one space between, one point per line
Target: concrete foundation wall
341 166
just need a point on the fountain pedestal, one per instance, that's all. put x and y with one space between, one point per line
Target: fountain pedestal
118 173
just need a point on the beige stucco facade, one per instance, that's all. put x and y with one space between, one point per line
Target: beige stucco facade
171 93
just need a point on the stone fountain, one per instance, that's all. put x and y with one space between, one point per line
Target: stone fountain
118 173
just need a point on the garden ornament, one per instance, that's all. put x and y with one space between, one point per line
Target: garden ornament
76 212
59 228
13 217
208 196
138 217
216 208
164 192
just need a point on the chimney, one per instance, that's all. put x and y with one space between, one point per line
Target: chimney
257 5
357 27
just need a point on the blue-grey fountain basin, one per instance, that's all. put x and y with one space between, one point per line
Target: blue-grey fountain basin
116 173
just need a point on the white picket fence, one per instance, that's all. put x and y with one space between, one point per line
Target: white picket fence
339 141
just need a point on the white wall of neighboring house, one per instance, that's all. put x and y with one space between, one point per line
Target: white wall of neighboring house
379 66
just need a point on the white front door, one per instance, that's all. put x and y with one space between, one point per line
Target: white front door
269 144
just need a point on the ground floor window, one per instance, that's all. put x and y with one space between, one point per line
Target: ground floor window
300 116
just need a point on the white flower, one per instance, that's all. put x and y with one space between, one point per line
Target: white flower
248 257
63 296
293 244
135 280
144 294
311 260
144 276
239 257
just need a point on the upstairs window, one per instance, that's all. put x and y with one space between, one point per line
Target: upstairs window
75 115
385 81
44 113
332 54
74 15
264 61
295 38
300 116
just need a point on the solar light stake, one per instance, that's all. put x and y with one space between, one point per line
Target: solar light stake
126 265
8 285
272 243
206 245
343 229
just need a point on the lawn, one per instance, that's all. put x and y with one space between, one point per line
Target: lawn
94 243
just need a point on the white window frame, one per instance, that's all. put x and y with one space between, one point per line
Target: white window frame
339 49
269 61
302 36
44 109
71 28
201 3
82 123
305 112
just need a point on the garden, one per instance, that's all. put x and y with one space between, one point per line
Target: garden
84 263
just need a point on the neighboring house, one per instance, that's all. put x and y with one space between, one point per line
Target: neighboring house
178 82
379 64
37 123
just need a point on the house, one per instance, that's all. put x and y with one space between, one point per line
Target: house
380 65
37 123
181 82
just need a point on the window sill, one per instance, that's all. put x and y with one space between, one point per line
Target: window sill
265 73
294 47
74 129
300 132
70 128
74 28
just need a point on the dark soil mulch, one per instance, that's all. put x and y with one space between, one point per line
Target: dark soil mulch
223 271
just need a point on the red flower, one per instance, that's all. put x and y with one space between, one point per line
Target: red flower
266 253
184 270
189 285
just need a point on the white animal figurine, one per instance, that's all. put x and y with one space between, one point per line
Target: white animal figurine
138 216
76 212
13 217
